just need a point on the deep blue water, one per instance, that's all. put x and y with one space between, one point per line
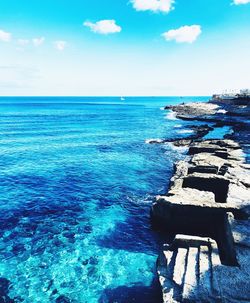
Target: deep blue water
76 184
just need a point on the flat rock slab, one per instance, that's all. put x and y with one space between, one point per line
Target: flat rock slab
209 195
185 270
195 109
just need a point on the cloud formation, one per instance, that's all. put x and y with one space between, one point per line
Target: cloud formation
153 5
38 41
4 36
22 42
60 45
184 34
237 2
103 27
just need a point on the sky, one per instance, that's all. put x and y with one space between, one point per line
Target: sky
123 47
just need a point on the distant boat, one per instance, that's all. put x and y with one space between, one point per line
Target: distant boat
122 99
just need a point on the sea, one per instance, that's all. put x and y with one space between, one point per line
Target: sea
77 180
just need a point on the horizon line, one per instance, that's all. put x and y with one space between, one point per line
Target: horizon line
104 96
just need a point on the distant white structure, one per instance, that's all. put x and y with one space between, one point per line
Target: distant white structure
239 97
245 92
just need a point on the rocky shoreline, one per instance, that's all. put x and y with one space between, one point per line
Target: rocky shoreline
206 211
220 114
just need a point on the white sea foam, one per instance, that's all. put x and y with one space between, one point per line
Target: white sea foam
171 116
180 149
221 111
157 140
185 131
162 108
177 126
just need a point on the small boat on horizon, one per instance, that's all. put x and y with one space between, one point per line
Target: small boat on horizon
122 99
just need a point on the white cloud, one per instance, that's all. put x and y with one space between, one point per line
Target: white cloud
153 5
103 27
4 36
237 2
22 42
60 45
38 41
183 34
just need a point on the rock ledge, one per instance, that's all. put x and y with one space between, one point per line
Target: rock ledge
207 210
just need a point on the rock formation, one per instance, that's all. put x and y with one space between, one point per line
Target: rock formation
210 111
206 209
199 131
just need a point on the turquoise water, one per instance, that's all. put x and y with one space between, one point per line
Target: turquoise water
219 132
76 184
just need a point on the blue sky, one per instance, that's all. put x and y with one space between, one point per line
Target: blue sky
123 47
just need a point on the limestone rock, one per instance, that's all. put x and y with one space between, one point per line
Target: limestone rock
196 108
209 196
185 270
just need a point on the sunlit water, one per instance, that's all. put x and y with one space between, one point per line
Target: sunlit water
76 185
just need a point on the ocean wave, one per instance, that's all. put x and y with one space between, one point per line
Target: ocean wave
150 141
177 125
221 111
171 116
180 149
185 131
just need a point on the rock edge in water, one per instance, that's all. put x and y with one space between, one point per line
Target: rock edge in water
207 210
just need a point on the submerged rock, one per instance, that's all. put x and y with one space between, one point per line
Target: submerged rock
93 260
63 299
88 229
5 285
85 262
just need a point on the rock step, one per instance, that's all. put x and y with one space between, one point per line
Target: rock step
186 274
191 279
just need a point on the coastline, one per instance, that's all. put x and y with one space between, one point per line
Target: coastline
108 178
102 239
206 210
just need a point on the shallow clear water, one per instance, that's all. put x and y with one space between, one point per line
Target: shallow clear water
76 184
219 132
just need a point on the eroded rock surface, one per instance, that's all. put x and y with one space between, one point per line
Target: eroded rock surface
211 110
231 114
194 109
208 197
186 270
199 132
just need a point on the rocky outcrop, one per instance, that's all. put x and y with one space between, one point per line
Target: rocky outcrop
210 111
194 109
208 197
231 114
199 132
186 270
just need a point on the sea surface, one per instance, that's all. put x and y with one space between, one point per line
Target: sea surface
76 184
